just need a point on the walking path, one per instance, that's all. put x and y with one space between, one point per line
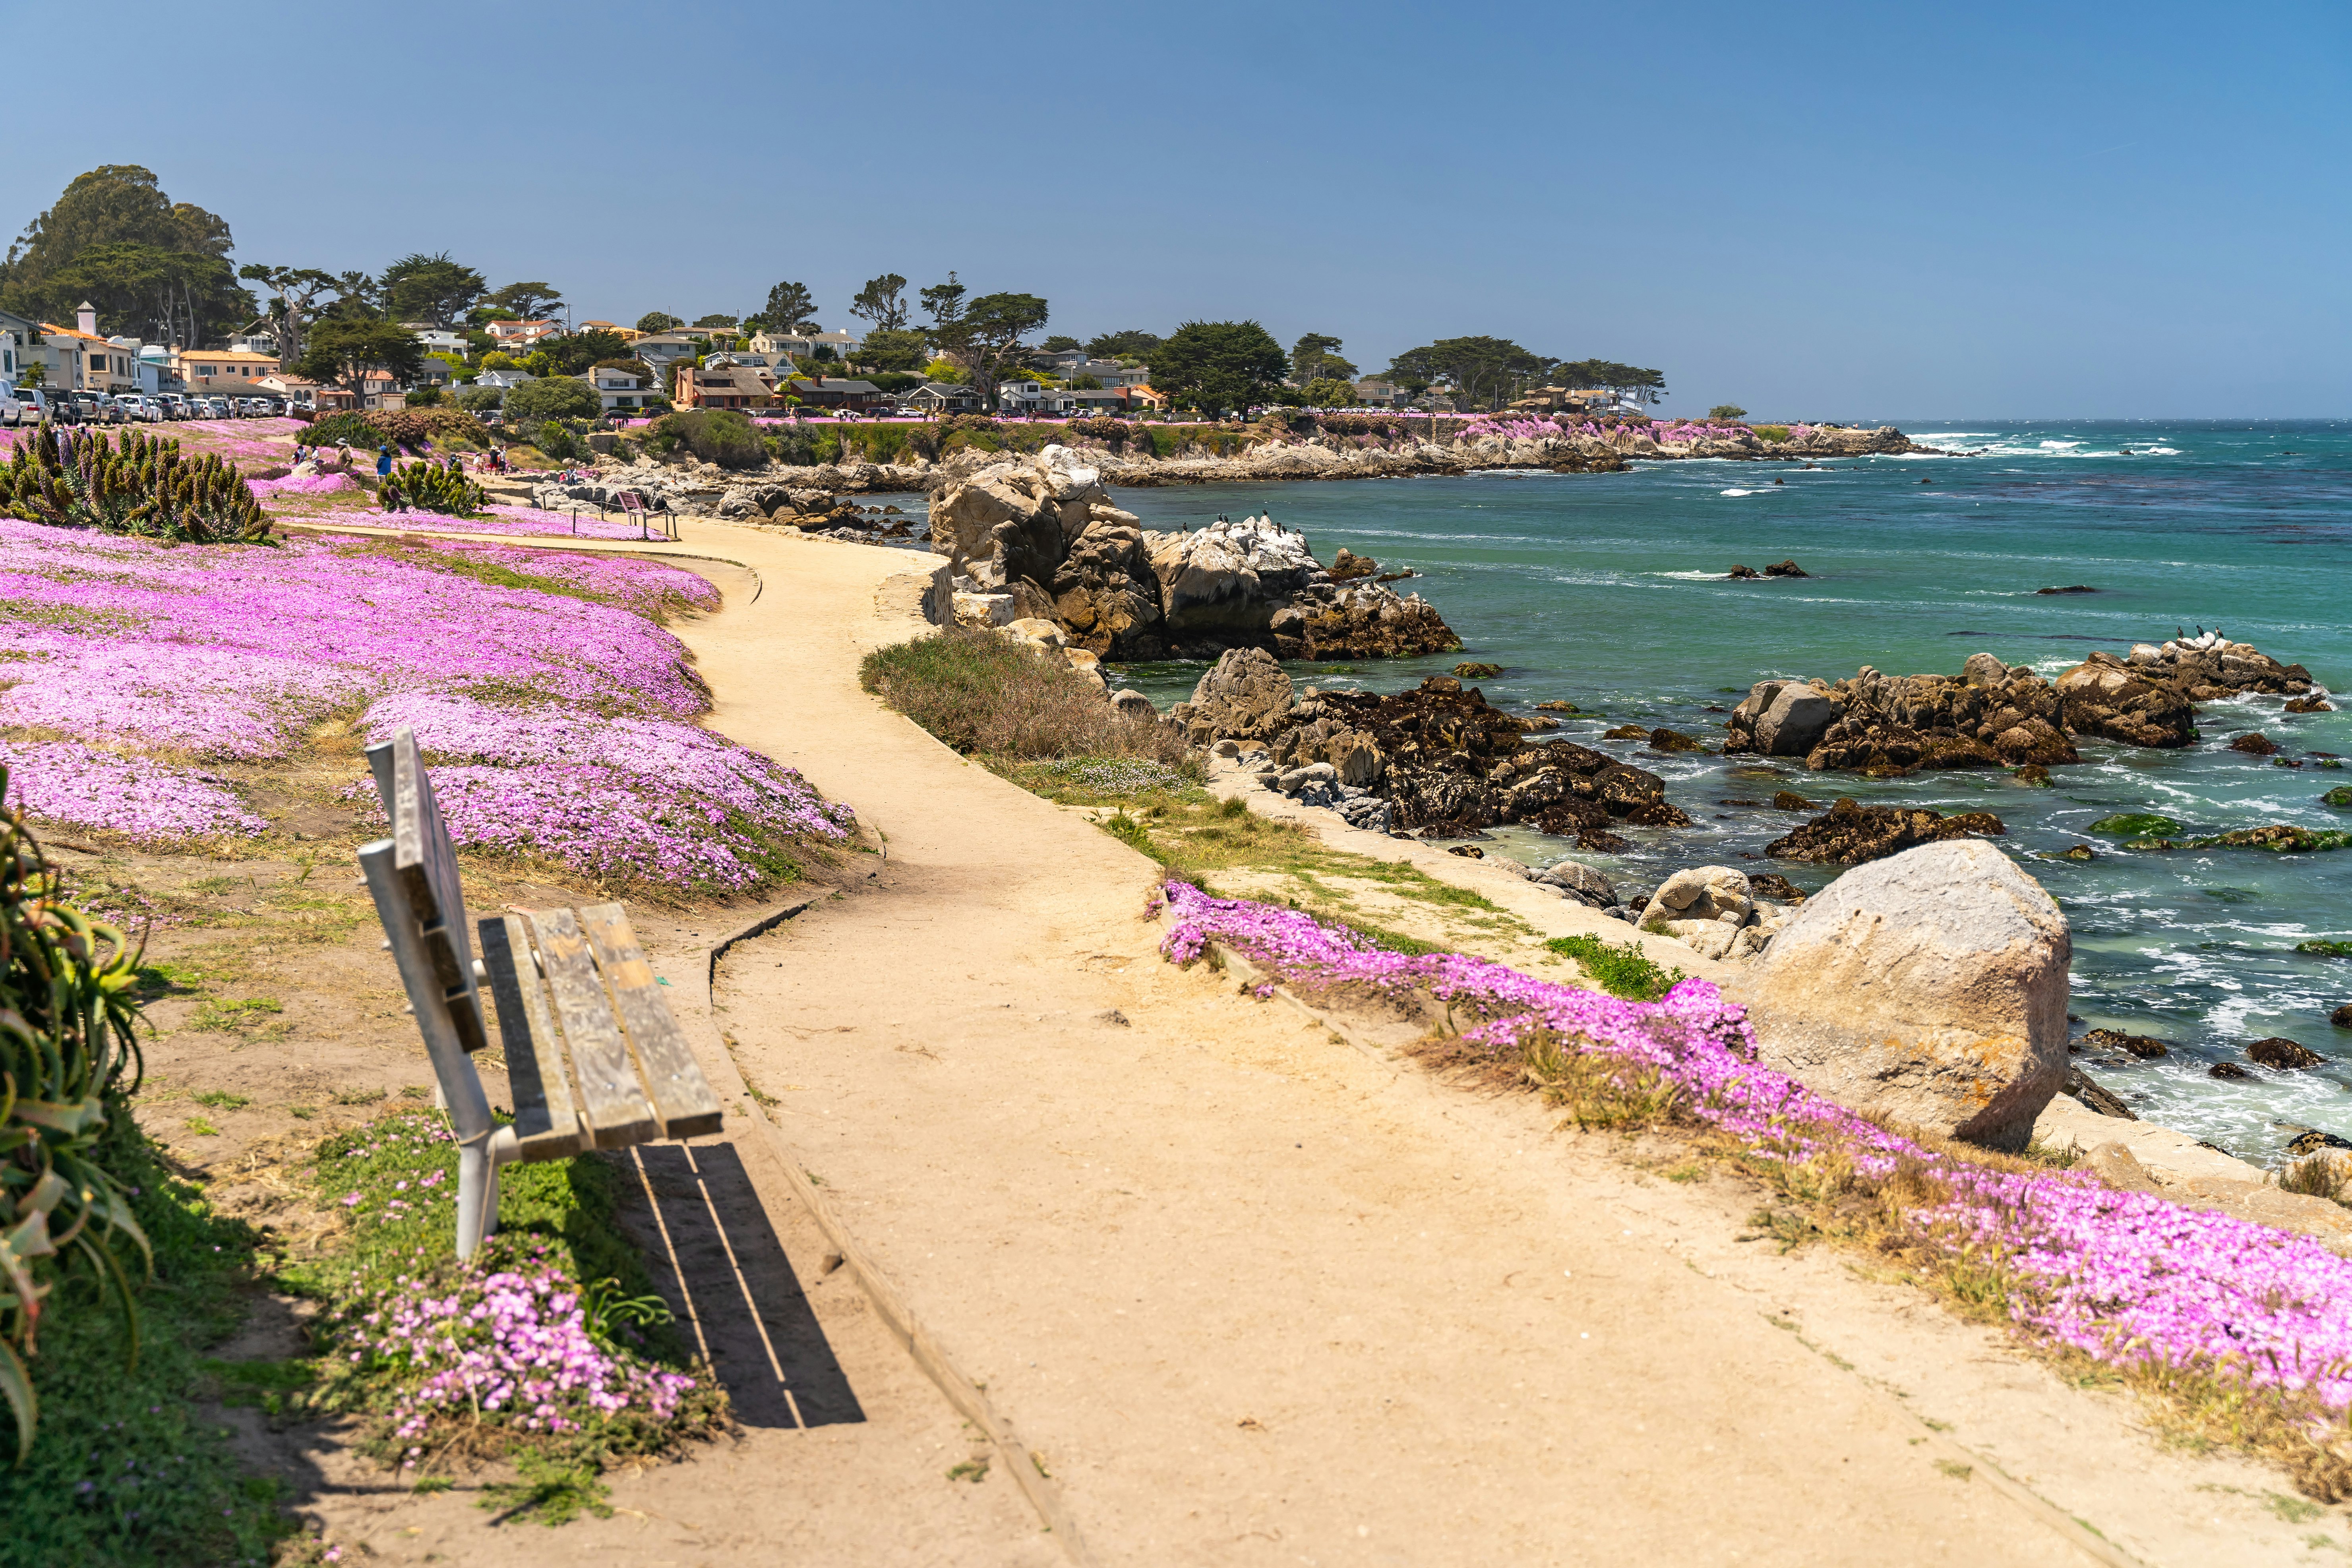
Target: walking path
1255 1294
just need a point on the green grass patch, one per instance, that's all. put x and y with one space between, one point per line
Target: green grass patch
396 1179
1622 969
125 1470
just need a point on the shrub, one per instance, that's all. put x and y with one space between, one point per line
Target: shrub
67 1013
333 428
482 399
986 694
429 486
130 483
1772 432
720 435
425 397
1727 411
558 398
1620 970
556 439
793 444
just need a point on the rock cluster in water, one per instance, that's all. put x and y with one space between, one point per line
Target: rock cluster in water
1849 833
1441 759
1042 533
1997 715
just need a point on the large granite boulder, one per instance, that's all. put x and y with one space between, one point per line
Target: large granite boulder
1931 988
1229 576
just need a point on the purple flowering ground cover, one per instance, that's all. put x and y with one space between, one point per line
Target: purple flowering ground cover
2200 1306
550 1347
143 687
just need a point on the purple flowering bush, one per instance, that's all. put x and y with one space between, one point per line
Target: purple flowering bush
2203 1309
549 1346
558 710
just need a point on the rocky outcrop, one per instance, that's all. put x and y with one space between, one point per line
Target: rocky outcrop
1931 988
1849 833
1044 529
1997 715
1439 758
1244 696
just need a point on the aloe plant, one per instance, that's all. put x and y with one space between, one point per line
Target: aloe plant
429 486
68 1057
132 483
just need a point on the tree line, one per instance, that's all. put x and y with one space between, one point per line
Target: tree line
160 270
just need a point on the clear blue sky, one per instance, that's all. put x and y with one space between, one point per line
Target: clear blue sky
1825 211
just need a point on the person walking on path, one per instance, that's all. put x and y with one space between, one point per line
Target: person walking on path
383 461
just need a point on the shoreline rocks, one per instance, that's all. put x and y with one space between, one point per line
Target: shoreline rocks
1849 834
1043 530
1997 715
1439 758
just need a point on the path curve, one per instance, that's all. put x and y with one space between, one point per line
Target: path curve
1258 1293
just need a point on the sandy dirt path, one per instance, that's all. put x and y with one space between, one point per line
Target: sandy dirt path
1256 1294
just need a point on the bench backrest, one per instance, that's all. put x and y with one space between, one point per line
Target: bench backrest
419 855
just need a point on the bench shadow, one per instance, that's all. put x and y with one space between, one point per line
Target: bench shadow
737 1297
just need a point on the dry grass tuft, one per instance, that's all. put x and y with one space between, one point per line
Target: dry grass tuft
987 695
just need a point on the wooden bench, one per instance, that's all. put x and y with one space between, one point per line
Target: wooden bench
593 1056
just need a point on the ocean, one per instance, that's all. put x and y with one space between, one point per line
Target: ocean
1606 590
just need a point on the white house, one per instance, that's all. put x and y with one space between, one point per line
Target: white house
1029 397
663 350
438 342
512 335
504 380
255 340
618 388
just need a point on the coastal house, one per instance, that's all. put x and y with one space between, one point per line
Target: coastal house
377 390
719 383
1379 393
1031 397
294 389
857 396
513 336
79 358
256 339
662 350
940 397
1076 365
618 388
18 335
626 334
1110 400
437 340
211 369
505 380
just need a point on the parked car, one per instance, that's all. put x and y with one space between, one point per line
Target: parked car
214 407
93 408
135 408
12 408
42 403
175 405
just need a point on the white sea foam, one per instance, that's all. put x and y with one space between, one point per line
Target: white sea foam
1744 492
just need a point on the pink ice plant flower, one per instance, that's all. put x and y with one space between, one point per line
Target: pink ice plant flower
2127 1277
114 648
512 1346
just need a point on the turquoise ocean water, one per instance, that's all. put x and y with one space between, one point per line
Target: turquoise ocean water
1606 590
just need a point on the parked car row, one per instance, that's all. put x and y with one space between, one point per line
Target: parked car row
20 407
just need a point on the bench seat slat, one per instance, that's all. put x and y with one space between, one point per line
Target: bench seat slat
672 1077
614 1107
545 1123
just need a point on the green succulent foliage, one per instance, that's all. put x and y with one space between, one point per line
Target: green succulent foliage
131 483
429 486
69 1058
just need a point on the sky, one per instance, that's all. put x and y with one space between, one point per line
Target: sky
1825 212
